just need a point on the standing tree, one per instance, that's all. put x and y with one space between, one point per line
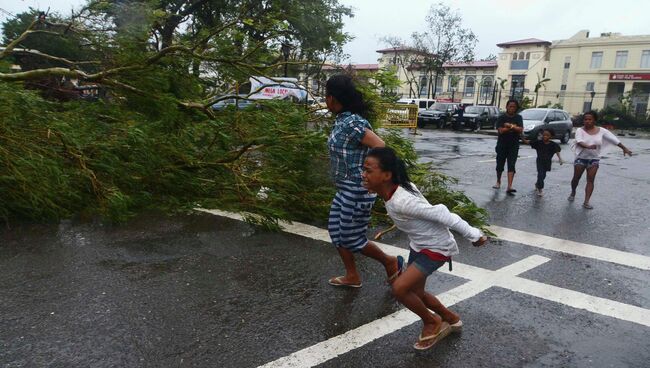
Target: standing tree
445 40
541 83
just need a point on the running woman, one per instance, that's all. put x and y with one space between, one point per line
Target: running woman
589 142
348 144
431 242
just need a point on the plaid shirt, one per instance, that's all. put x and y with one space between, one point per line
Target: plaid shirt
346 151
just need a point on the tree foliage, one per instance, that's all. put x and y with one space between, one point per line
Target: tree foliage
153 141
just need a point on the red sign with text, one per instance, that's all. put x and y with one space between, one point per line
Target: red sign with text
622 76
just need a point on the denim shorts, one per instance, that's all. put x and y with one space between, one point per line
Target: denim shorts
423 263
586 162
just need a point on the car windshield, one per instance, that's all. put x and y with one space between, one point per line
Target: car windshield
533 114
473 110
439 107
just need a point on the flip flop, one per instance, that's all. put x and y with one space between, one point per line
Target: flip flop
338 282
511 191
587 206
496 187
445 329
400 269
571 198
456 327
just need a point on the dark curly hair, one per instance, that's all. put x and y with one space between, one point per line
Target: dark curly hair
342 88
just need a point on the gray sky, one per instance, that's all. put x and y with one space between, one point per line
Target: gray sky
493 21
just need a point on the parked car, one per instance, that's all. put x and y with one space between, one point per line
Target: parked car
476 117
438 114
422 103
558 121
238 103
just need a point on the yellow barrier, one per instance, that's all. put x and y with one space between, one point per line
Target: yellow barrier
399 116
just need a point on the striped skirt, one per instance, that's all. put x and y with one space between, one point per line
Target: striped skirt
350 215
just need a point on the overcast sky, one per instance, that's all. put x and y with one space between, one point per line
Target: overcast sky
493 21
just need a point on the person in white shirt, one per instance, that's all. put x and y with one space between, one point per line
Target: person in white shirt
589 143
431 242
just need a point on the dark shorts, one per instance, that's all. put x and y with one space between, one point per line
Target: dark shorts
507 154
586 162
423 263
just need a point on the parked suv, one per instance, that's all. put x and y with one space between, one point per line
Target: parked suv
438 114
476 117
558 121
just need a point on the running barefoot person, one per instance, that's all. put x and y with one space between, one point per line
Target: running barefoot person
431 242
509 125
589 141
348 144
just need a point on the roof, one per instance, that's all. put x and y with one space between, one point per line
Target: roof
397 48
527 41
472 64
353 66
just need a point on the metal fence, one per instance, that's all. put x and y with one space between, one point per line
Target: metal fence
398 116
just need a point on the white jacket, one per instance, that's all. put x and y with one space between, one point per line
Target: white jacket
428 226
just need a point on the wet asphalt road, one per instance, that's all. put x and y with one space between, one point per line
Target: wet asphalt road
199 290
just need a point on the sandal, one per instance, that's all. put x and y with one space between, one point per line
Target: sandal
587 206
571 198
400 269
445 329
338 282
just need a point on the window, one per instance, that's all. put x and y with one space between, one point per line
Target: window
451 82
645 59
586 106
528 56
544 73
596 59
621 59
567 65
563 87
469 86
521 55
590 86
514 56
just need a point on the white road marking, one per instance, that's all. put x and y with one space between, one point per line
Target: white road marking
571 247
360 336
480 280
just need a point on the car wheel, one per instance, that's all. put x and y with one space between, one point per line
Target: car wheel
420 124
565 138
441 123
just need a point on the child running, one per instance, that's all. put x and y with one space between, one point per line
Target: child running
545 148
431 242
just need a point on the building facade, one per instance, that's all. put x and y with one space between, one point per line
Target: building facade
595 72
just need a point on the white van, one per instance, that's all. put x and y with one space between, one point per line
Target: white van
423 103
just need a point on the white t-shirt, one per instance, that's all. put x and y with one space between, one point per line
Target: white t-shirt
428 226
602 139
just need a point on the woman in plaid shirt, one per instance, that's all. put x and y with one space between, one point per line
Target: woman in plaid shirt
348 144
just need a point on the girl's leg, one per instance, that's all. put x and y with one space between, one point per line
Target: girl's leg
577 174
591 178
390 263
404 290
351 273
435 305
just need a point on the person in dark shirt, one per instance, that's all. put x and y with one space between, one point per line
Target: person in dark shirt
510 126
545 148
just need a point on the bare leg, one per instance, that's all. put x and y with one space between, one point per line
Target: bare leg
351 274
578 170
390 263
511 177
591 177
435 305
498 184
404 290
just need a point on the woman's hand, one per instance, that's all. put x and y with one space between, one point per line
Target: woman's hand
481 241
627 152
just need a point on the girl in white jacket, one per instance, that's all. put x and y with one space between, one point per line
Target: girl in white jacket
431 242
